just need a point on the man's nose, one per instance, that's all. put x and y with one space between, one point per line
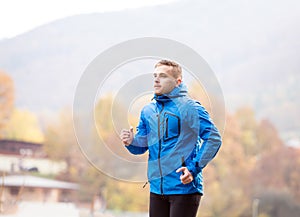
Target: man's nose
156 80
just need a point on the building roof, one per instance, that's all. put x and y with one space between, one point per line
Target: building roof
22 148
36 182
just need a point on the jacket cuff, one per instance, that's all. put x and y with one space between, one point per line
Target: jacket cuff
129 147
194 169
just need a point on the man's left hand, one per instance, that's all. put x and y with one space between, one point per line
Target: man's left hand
186 176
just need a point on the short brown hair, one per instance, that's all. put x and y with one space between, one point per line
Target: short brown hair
176 68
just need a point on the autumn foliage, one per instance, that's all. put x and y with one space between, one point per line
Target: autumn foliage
253 164
6 100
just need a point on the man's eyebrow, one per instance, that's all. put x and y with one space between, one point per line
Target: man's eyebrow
160 73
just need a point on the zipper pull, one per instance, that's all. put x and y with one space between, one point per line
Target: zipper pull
145 184
183 163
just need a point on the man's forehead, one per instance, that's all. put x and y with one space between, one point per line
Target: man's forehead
163 69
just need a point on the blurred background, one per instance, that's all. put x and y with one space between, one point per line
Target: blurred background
253 48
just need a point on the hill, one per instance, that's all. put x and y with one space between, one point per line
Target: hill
253 47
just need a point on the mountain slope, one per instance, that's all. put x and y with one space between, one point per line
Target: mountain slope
252 47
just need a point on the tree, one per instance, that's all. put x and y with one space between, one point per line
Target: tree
23 125
227 177
276 203
230 184
6 100
279 169
277 174
61 144
110 119
103 140
267 136
248 124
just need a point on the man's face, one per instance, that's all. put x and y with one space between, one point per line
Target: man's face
164 81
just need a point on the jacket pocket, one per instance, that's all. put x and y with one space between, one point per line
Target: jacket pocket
171 126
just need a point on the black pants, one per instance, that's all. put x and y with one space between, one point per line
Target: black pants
183 205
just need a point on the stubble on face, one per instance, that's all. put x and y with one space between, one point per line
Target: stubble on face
164 81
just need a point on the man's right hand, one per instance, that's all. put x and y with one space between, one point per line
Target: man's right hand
127 136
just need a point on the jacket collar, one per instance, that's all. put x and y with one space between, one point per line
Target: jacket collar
179 91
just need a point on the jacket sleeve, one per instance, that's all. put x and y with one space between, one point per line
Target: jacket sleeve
139 144
211 141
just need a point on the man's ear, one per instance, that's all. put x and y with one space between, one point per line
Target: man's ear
178 81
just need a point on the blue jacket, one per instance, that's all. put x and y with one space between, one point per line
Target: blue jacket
177 131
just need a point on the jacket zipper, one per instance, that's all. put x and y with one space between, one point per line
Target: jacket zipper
167 127
183 163
159 151
145 184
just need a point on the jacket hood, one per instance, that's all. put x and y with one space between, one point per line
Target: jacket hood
179 91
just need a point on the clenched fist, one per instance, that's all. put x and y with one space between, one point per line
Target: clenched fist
127 136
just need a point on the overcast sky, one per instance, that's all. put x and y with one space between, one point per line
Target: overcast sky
19 16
